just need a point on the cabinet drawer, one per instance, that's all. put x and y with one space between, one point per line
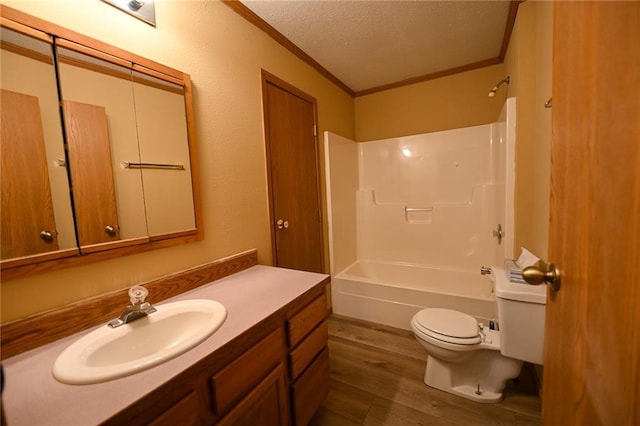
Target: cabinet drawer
184 412
308 392
306 351
239 377
304 321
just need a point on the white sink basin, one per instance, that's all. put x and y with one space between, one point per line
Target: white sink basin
109 353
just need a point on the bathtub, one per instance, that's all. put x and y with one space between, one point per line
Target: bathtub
391 293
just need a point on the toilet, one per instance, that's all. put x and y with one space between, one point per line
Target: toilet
471 360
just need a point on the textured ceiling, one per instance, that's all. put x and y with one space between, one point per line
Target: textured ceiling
367 44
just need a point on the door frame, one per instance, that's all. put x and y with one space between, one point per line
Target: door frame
268 78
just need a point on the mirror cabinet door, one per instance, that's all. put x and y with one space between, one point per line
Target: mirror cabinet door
97 150
36 211
101 132
164 153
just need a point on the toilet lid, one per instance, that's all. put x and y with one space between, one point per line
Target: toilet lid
449 326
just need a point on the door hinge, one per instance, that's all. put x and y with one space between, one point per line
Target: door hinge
315 130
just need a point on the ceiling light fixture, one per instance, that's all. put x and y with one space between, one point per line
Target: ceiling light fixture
143 10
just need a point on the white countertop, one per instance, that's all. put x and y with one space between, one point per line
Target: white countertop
33 397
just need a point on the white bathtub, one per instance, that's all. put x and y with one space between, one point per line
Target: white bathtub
391 293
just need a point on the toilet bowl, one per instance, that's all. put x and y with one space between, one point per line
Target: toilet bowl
463 356
467 358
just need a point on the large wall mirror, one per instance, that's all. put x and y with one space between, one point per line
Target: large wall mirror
97 150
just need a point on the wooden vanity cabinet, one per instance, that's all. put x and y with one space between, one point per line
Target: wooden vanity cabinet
308 359
274 374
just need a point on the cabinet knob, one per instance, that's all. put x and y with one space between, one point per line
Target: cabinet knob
47 236
110 230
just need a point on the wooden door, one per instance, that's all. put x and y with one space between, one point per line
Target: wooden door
293 172
27 208
92 184
592 346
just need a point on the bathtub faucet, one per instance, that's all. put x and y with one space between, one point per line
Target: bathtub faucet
485 270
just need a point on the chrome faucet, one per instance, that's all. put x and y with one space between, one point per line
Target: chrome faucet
137 309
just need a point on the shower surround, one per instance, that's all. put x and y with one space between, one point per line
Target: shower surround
412 219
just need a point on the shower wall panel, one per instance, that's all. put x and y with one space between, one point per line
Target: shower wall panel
429 199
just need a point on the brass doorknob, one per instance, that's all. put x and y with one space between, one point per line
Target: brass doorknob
549 274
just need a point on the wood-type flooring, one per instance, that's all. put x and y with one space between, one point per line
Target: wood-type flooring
377 379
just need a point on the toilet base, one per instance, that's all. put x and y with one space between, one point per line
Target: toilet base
469 392
481 381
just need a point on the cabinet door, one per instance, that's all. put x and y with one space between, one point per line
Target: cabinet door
184 412
265 405
100 125
242 375
308 392
37 221
162 140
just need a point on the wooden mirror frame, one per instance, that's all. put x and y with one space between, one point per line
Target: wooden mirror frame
45 262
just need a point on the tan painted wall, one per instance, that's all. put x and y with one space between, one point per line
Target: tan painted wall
451 102
224 55
529 63
542 172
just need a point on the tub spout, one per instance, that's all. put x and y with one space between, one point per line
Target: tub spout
485 270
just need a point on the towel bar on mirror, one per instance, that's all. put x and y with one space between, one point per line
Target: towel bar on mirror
130 165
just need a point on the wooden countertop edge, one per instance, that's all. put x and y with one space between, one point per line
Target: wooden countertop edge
25 334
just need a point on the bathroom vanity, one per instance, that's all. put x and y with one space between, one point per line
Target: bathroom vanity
267 364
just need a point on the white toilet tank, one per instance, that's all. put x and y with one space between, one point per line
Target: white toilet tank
521 315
